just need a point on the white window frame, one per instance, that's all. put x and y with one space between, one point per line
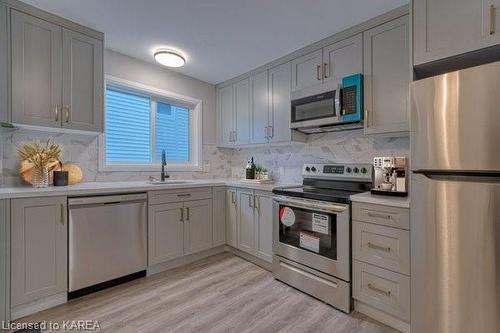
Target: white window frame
195 131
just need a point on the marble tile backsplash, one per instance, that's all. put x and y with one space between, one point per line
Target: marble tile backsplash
283 161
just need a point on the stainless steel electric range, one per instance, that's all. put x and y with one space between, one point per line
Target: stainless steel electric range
312 230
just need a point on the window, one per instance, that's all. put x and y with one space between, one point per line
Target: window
140 122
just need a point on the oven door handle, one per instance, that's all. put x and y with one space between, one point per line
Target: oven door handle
312 205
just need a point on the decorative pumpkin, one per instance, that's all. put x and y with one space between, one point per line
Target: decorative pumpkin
75 174
26 168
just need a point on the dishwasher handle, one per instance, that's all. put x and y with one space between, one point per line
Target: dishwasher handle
107 199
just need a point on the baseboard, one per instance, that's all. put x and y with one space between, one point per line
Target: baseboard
259 262
165 266
24 310
382 317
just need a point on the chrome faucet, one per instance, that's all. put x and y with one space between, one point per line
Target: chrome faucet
164 175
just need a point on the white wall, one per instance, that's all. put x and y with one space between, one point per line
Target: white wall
132 69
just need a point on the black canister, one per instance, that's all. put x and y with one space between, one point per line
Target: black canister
60 178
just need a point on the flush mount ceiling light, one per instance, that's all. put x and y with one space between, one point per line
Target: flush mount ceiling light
169 58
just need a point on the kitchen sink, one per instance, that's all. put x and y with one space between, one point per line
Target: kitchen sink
168 182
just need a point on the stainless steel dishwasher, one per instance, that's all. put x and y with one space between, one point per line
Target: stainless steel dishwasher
107 241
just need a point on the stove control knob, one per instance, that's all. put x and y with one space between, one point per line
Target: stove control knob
364 170
356 170
313 169
308 169
349 170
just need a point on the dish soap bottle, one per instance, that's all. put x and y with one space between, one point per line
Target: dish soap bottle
250 169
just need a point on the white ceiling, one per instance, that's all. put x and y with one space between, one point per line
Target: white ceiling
221 38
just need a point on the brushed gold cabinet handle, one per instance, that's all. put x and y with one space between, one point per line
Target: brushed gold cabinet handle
67 113
187 214
378 290
379 247
380 216
256 202
57 112
325 70
318 72
183 195
492 19
367 118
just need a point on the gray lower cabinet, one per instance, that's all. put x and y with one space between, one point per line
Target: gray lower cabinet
4 260
36 71
165 232
445 28
4 78
82 105
38 248
254 223
231 217
57 75
387 77
178 226
219 216
197 226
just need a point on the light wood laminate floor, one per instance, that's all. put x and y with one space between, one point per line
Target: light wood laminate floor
222 293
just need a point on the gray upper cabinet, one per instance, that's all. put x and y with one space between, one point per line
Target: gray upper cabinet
259 108
242 112
57 75
226 114
445 28
279 103
307 70
82 82
38 248
343 58
36 71
387 77
4 79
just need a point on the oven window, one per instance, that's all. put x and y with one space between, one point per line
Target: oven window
311 231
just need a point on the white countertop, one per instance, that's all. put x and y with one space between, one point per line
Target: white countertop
367 197
121 187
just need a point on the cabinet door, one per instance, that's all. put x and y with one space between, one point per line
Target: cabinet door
246 223
82 82
231 217
219 216
38 248
307 70
165 232
444 28
259 106
343 58
4 114
36 71
242 111
280 78
226 121
197 226
387 77
264 222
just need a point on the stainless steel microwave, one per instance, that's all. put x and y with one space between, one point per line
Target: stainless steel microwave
343 105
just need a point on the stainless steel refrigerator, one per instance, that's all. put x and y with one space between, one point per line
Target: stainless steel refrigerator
455 202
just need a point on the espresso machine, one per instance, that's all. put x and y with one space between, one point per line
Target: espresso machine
390 176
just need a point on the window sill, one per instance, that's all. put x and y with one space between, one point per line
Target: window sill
151 168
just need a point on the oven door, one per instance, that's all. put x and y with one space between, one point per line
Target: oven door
317 110
313 233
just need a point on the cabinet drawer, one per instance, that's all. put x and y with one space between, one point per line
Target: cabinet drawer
167 196
382 289
384 215
382 246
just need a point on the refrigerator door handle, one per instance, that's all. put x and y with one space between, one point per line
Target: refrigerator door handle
485 176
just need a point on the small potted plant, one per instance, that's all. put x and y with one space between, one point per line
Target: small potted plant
261 173
41 156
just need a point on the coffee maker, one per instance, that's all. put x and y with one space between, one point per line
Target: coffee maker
390 176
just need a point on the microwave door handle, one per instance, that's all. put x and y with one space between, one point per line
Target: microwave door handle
337 101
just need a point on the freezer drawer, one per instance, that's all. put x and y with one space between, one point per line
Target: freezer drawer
107 238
